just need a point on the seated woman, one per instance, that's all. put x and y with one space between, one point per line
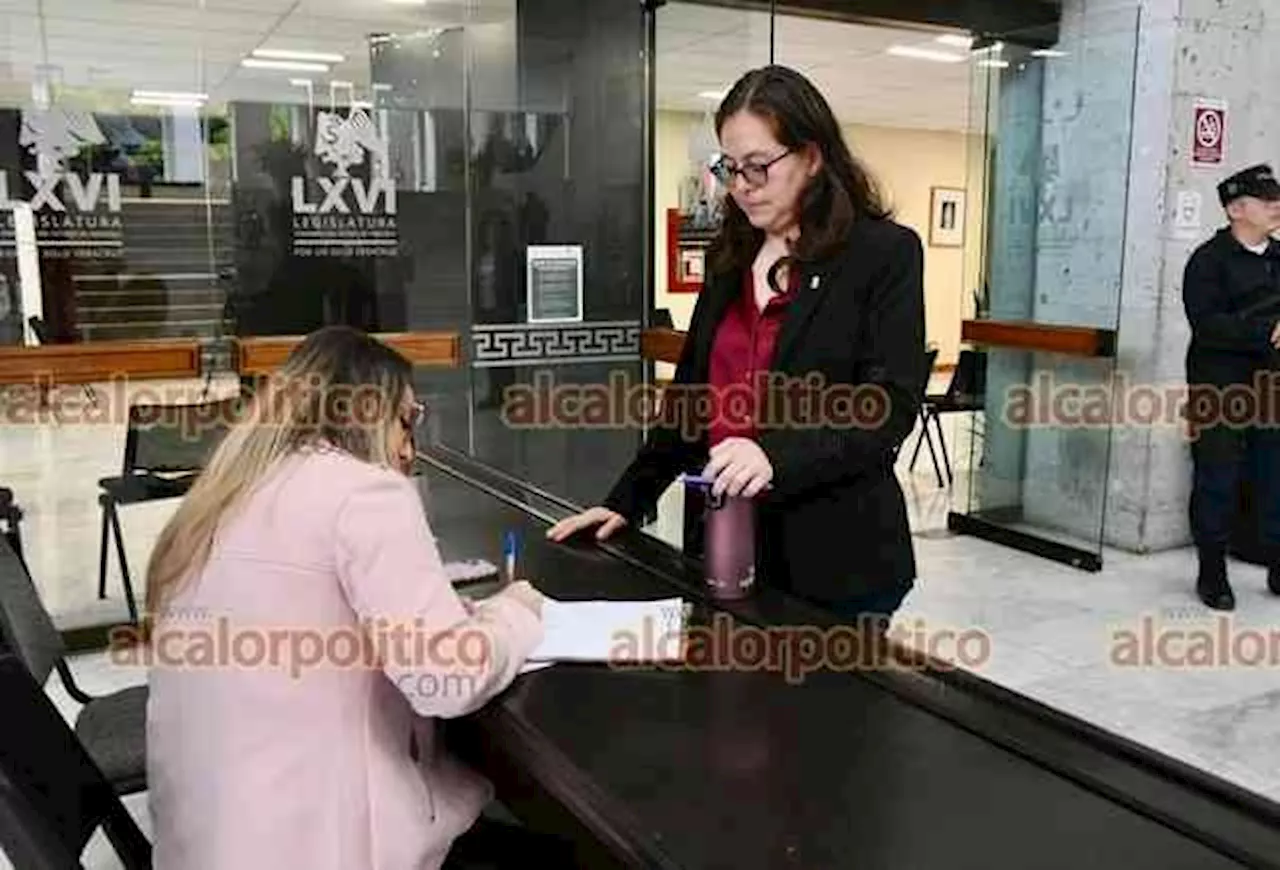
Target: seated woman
305 638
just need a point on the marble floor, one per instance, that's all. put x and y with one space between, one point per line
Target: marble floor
1053 633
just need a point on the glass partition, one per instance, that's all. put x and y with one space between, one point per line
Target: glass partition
1038 443
700 51
556 167
193 177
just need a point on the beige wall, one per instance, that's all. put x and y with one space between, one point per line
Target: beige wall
907 163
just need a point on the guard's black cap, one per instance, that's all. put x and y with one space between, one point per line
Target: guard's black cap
1259 181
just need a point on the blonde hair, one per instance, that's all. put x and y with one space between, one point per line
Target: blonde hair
339 387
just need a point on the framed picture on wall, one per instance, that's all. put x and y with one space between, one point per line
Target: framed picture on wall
686 253
946 217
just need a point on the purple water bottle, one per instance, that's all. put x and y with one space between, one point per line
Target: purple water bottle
729 557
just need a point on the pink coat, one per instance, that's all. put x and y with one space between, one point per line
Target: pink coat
274 741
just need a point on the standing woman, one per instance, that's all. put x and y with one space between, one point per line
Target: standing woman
808 277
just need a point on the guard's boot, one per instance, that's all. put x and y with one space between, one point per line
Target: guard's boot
1272 558
1274 577
1212 585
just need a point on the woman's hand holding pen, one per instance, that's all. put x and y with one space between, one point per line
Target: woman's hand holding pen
524 592
738 466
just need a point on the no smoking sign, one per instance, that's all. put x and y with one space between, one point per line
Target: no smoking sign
1208 147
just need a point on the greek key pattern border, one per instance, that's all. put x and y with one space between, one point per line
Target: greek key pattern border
496 345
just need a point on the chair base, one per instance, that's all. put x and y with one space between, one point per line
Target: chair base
111 528
929 415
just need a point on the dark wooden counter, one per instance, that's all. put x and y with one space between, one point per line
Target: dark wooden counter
260 355
1049 338
661 344
742 769
100 361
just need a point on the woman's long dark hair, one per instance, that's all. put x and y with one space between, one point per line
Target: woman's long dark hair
842 192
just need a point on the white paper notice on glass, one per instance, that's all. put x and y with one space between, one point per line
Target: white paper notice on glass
612 631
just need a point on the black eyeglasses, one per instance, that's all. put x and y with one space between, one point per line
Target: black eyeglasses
755 174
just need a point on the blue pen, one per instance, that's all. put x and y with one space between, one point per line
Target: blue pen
509 555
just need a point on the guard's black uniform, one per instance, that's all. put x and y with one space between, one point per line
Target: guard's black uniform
1232 300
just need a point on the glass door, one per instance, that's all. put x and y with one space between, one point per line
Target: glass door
1041 340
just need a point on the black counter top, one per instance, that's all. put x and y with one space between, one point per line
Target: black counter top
887 769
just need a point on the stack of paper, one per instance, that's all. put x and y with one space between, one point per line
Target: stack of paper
612 631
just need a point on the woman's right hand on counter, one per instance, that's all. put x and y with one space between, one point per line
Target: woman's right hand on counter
607 520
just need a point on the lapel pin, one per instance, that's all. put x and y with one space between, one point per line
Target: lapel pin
814 282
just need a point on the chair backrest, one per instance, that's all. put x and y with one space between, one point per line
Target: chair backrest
53 797
176 438
38 329
970 377
10 520
25 624
930 360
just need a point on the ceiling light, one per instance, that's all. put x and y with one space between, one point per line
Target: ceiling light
1048 52
296 65
300 83
174 104
711 95
170 96
956 40
312 56
408 2
925 54
997 64
174 99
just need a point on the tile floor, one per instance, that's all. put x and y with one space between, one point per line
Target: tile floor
1052 629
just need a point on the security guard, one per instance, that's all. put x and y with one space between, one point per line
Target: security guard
1231 294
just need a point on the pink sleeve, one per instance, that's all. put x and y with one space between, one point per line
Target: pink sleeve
390 569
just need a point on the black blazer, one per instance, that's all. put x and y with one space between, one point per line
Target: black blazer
1232 300
834 525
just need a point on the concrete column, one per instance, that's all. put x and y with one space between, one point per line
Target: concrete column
1116 123
1202 49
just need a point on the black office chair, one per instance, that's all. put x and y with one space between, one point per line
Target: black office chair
112 727
165 448
53 798
965 394
10 521
42 335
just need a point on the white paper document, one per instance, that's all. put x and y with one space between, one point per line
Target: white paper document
612 631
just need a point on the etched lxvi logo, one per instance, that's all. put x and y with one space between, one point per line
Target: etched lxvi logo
54 136
344 142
